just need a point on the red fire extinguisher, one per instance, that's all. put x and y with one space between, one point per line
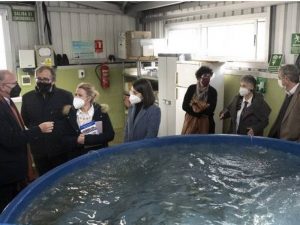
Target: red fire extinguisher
103 75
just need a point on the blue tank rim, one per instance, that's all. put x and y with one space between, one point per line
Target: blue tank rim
14 209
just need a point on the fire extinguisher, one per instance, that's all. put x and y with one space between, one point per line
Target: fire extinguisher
102 72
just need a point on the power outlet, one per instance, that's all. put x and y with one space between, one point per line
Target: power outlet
81 74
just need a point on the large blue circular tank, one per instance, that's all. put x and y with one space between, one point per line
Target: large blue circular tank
19 204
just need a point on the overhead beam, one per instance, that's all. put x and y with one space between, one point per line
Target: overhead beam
150 5
109 7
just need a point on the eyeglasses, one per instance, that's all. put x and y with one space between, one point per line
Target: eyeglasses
43 80
206 75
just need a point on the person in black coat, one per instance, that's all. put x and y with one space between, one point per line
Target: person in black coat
13 140
248 110
87 125
200 101
45 103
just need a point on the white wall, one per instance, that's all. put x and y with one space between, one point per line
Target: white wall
75 26
69 26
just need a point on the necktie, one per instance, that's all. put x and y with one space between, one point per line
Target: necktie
32 174
244 108
16 114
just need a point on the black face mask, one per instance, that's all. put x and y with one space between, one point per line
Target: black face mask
15 91
44 87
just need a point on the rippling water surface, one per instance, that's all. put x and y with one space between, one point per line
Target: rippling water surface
193 185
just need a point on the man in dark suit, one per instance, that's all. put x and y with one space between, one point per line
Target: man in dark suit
287 123
13 140
46 103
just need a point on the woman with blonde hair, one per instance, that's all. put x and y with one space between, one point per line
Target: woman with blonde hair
87 124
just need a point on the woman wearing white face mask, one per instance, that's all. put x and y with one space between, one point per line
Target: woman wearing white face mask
87 125
248 110
143 115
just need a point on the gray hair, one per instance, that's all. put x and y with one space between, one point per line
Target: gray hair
291 72
42 68
249 79
3 73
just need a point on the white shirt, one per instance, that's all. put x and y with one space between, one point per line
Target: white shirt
238 115
85 117
293 90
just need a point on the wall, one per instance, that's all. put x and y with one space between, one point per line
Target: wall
68 26
67 78
75 26
274 96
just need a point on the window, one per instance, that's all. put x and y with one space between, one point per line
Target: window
239 40
183 40
5 49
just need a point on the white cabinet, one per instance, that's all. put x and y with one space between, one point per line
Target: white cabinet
174 79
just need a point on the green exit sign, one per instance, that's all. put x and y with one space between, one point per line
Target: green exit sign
23 15
295 43
275 63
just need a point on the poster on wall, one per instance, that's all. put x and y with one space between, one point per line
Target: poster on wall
295 43
275 63
83 49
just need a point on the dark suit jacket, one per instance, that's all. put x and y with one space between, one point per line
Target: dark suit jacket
37 109
145 125
13 146
71 131
256 115
209 111
290 125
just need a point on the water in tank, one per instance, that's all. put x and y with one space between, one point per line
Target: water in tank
209 179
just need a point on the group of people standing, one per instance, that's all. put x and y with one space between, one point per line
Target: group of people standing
248 111
54 127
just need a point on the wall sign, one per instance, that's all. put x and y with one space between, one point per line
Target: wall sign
295 43
275 63
83 50
23 15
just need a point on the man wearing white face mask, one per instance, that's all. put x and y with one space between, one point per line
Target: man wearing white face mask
287 123
248 111
143 115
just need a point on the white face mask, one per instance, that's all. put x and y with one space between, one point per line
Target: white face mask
78 103
244 91
134 99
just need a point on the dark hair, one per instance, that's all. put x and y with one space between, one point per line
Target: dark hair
291 72
42 68
144 87
203 70
249 79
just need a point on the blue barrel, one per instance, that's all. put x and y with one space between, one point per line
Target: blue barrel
17 206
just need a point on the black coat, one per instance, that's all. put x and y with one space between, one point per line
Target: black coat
37 109
209 111
13 146
256 115
71 132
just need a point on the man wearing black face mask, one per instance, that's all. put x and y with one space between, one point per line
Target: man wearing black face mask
13 140
42 104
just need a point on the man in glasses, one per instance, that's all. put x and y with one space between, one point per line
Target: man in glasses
13 140
42 104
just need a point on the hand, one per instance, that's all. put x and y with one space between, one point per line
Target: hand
80 139
46 127
126 101
250 132
221 116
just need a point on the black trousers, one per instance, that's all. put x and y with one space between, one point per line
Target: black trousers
9 191
44 163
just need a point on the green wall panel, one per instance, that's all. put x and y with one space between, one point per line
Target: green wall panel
274 97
